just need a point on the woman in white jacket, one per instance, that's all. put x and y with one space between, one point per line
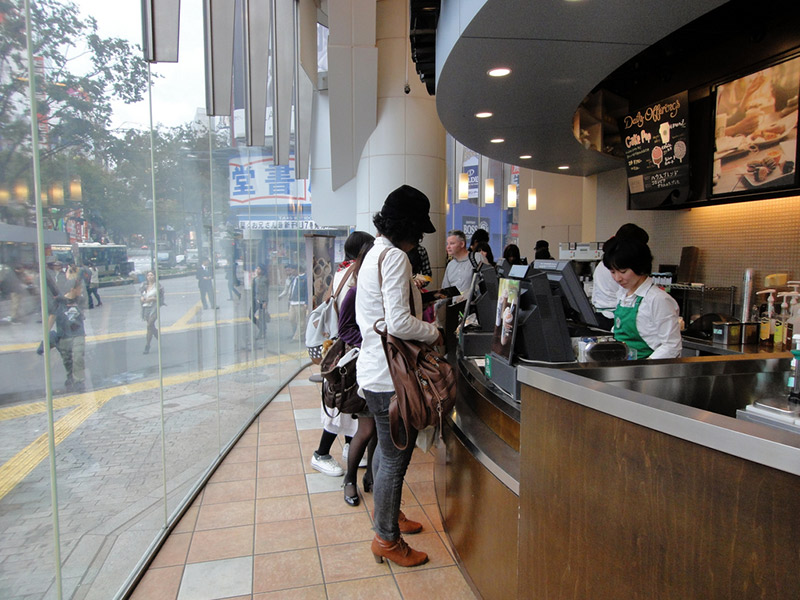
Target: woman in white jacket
401 222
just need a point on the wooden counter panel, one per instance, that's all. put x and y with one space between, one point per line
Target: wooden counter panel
484 403
612 510
480 516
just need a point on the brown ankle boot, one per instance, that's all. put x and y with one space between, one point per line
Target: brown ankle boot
406 525
398 552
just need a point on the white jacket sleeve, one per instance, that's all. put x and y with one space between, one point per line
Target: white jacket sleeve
400 322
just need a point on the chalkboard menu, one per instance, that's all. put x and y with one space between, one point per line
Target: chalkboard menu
656 140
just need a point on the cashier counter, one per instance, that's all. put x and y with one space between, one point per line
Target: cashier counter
624 479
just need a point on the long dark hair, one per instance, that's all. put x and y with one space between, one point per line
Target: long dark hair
366 246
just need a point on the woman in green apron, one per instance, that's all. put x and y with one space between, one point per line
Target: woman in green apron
646 317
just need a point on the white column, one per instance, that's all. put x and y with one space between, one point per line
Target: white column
408 144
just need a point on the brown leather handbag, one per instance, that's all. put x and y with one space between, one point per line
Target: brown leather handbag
424 382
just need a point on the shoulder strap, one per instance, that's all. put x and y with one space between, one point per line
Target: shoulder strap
473 260
410 283
344 280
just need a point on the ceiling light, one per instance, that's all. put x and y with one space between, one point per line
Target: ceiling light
531 198
488 197
499 72
497 140
483 115
512 195
563 167
463 186
525 156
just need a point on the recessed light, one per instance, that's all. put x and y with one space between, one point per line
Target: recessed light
499 72
483 115
497 140
525 156
563 167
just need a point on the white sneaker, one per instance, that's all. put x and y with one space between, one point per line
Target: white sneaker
346 452
326 465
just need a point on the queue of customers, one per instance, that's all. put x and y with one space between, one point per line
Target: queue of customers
642 315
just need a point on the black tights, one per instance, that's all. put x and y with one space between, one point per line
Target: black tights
326 441
365 439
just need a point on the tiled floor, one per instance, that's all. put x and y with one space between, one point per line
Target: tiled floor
268 526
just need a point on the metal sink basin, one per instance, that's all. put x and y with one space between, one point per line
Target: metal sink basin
717 384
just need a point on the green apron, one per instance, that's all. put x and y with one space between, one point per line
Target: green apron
625 329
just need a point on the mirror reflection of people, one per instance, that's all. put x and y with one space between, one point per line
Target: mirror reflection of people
297 293
70 331
261 300
646 317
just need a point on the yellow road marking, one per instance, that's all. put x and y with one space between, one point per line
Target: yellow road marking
180 325
27 459
184 320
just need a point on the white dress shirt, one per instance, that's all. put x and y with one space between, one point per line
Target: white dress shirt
604 291
657 320
390 302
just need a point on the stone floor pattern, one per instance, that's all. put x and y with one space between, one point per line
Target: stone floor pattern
268 526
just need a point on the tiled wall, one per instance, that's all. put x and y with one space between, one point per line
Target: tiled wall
763 235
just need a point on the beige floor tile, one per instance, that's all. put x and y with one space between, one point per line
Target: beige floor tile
306 402
270 438
313 592
340 529
350 561
282 485
250 438
275 426
281 466
286 508
217 544
435 517
242 454
374 588
423 492
188 520
229 491
173 552
434 584
286 570
422 457
226 514
159 584
281 536
278 451
419 472
332 503
234 472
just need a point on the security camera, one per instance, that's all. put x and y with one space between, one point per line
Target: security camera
407 89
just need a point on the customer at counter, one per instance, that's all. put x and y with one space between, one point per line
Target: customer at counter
646 317
605 289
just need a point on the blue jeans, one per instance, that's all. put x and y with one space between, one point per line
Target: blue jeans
390 468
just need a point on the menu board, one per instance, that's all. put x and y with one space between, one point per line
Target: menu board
755 130
656 140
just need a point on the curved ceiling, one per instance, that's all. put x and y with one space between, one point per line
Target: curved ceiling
558 52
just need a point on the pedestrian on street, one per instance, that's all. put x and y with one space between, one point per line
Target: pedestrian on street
296 290
261 300
70 331
151 297
94 283
205 283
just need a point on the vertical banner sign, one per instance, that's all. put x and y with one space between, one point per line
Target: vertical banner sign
656 140
470 167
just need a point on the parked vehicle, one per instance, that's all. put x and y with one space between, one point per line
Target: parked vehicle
165 254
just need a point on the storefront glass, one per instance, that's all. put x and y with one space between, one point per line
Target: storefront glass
125 188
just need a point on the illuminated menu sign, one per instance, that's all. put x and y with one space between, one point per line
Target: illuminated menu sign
656 140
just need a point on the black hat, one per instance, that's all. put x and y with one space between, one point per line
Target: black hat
409 203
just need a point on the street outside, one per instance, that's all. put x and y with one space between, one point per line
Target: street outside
109 459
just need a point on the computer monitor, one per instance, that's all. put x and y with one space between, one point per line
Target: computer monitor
564 282
483 299
542 333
